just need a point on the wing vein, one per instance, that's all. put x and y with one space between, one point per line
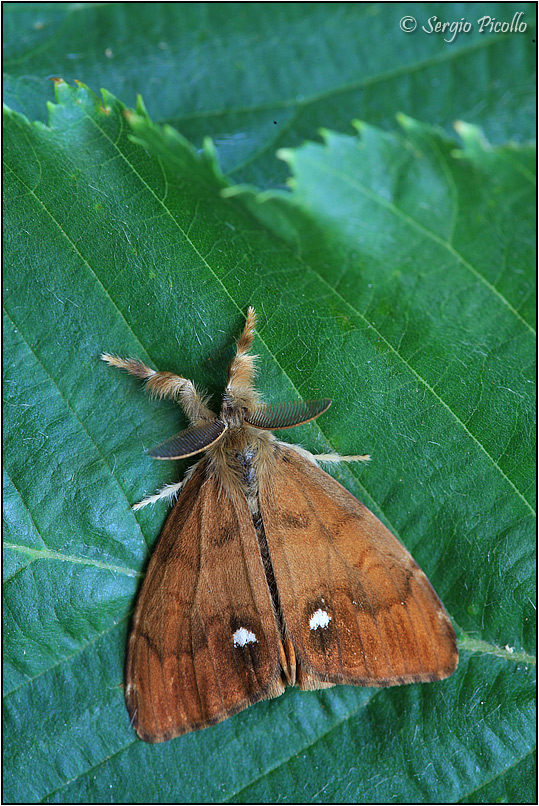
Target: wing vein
252 591
213 598
332 543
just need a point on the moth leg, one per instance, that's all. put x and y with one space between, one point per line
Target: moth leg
241 369
166 384
169 491
335 458
324 457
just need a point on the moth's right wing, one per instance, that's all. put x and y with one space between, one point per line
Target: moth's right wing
357 608
204 642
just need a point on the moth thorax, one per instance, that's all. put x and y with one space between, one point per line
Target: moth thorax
232 414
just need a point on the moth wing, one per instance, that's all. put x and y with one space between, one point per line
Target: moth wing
357 608
204 642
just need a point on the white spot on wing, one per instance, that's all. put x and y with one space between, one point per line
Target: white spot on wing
319 619
242 637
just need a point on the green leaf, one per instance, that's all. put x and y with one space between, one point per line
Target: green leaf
261 76
398 280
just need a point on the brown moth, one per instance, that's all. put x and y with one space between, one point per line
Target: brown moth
268 572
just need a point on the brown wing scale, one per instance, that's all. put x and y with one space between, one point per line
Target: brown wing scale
357 607
204 642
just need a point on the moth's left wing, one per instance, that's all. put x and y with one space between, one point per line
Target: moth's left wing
357 608
204 641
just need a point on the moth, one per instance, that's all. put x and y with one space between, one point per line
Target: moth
268 573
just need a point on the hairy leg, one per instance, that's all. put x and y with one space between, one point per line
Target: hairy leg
169 491
166 384
336 458
241 370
